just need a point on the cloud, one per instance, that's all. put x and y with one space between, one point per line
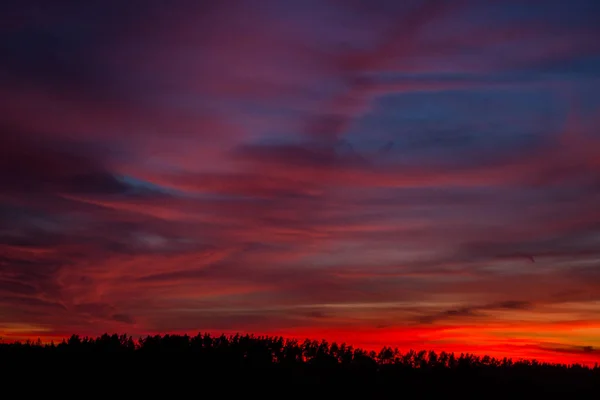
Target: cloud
475 311
13 287
31 165
587 350
128 319
303 168
33 303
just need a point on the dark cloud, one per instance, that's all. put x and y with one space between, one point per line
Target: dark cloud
63 46
35 277
16 288
308 155
569 349
513 305
33 303
317 315
222 322
531 250
475 311
127 319
95 309
102 311
31 164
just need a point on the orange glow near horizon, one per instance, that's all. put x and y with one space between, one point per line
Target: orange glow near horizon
517 343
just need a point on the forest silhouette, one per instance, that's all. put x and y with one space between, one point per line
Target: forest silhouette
275 366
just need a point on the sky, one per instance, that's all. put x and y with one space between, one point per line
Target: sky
419 174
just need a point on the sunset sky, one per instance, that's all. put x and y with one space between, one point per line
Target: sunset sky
420 174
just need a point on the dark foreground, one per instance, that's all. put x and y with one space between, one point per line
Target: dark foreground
205 366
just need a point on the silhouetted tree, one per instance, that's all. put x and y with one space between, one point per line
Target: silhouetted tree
265 363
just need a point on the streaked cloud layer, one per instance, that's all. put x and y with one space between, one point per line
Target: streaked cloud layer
419 173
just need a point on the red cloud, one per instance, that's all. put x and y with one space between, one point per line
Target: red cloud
213 167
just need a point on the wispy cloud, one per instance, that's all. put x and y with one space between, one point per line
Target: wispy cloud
320 168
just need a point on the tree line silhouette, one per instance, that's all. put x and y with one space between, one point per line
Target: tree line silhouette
259 362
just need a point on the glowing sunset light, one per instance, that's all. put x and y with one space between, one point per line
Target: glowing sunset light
414 174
